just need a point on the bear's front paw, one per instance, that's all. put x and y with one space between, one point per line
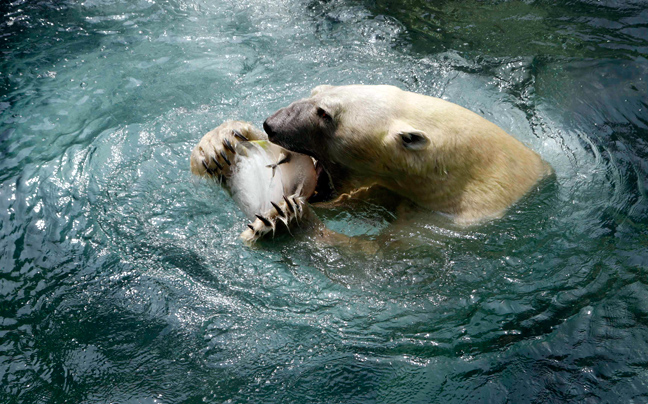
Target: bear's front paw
292 209
214 154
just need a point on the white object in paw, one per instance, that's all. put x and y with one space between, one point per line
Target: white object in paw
264 172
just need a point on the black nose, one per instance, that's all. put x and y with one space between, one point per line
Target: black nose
268 129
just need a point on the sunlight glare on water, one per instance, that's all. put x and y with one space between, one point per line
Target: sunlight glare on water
122 278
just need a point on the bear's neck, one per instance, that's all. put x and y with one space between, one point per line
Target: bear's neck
475 191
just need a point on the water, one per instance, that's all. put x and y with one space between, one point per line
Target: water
122 279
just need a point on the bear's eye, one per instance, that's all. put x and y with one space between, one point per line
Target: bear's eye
322 114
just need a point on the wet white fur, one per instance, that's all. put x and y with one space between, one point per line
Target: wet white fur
465 166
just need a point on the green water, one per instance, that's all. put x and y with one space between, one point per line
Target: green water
122 279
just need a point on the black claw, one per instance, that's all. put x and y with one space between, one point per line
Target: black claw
296 204
285 159
228 145
209 170
239 135
224 156
251 227
274 168
290 208
219 165
278 209
264 220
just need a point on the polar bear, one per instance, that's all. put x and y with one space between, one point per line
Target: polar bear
426 151
432 152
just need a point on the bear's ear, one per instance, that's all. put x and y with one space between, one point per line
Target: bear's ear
414 139
319 89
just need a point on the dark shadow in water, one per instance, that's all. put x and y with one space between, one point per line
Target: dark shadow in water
585 29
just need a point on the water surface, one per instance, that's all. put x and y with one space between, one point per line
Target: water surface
122 279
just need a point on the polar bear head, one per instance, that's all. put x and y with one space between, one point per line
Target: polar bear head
360 134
